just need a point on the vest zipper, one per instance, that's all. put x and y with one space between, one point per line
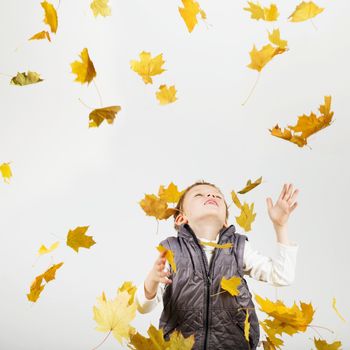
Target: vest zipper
209 282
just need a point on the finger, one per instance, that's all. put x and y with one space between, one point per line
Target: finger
294 206
288 192
166 280
293 197
282 192
269 203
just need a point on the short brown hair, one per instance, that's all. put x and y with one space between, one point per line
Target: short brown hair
179 205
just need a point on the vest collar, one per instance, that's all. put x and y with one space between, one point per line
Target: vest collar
186 232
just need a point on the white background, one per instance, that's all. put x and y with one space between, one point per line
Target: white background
67 175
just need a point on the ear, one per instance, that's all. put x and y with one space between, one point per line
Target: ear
181 219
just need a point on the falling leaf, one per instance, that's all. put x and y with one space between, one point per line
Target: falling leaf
259 58
166 95
77 239
289 320
323 345
189 13
148 67
249 186
115 315
275 38
246 326
336 310
306 125
43 250
268 345
171 194
272 341
37 287
50 16
235 200
231 285
287 135
247 216
215 245
97 116
169 255
157 207
100 7
84 70
309 125
305 11
156 341
258 12
6 172
26 78
50 274
130 288
41 35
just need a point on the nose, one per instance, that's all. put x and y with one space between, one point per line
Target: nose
210 195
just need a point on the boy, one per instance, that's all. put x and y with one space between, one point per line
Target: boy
190 299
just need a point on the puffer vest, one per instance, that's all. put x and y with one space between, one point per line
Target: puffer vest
217 322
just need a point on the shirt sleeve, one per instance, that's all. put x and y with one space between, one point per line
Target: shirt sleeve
145 305
277 271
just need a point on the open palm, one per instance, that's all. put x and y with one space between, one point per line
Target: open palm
285 204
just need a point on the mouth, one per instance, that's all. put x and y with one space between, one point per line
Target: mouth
211 201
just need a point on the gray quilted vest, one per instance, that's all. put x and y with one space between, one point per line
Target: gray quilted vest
217 322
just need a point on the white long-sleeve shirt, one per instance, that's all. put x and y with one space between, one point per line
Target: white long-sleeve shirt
278 271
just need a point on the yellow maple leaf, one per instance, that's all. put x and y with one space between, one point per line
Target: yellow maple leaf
157 207
130 288
189 13
258 12
43 250
37 287
288 136
41 35
50 16
236 200
246 217
22 79
171 194
305 11
289 320
156 341
323 345
166 94
85 69
272 341
101 7
215 245
6 172
98 115
336 310
259 58
231 285
77 239
115 315
50 273
246 326
311 124
250 185
169 255
275 38
148 66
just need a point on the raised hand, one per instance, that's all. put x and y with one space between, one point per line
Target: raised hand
284 206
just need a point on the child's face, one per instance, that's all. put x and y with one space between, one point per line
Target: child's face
202 202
